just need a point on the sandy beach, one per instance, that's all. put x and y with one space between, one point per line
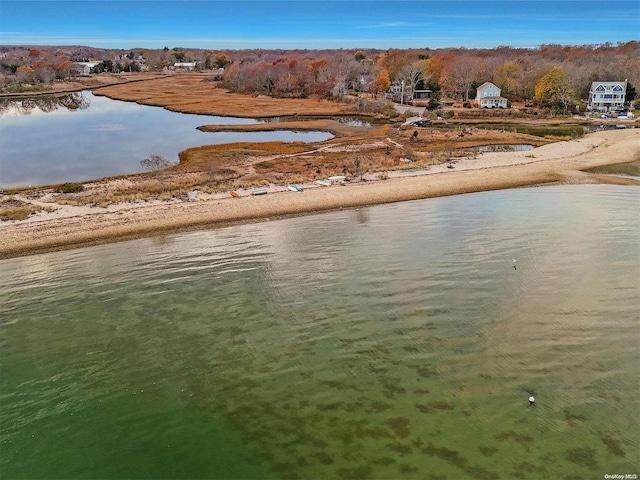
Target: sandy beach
76 226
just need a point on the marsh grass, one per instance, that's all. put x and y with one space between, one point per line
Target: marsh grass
13 209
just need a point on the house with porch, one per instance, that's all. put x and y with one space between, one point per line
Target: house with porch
607 96
488 96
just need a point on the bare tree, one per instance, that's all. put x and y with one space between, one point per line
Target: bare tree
412 74
459 75
156 164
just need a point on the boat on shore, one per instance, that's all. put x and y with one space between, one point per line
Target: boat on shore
337 178
234 194
294 188
260 191
324 183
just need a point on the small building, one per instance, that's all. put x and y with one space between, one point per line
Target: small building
488 96
607 96
422 94
185 65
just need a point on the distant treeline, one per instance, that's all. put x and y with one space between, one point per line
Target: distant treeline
550 75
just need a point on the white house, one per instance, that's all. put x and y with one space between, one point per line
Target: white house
185 65
488 96
399 92
607 96
84 68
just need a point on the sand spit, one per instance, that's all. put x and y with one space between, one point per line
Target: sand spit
71 226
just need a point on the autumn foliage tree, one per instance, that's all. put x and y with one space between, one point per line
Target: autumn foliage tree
381 83
554 92
508 77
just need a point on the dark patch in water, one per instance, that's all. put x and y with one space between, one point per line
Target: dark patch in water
613 445
453 457
355 473
399 425
377 406
487 450
391 388
384 461
285 470
375 369
329 406
515 436
333 384
404 468
583 456
522 469
323 458
424 371
574 419
351 430
401 448
422 391
434 407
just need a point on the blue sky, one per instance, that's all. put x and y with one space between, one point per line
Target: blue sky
311 24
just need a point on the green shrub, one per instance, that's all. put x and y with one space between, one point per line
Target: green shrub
434 104
70 188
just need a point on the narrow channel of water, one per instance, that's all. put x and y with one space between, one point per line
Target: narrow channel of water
393 342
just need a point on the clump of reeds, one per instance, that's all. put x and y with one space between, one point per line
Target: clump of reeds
14 209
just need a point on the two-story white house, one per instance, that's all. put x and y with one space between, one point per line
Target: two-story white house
488 96
84 68
607 96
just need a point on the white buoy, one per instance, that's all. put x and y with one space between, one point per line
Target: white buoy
532 400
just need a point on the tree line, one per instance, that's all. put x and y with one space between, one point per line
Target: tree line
552 76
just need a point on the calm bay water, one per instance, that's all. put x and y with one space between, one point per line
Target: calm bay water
396 341
90 137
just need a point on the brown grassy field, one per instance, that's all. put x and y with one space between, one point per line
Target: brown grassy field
195 93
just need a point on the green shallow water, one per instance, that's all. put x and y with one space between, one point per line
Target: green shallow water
391 342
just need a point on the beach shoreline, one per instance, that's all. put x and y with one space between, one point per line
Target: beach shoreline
562 162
